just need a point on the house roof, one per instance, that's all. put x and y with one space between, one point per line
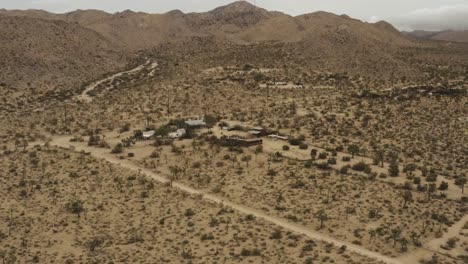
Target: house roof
258 128
195 122
148 134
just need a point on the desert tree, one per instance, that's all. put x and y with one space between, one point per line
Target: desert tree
415 238
349 210
407 197
395 235
409 169
460 182
313 154
404 244
353 149
246 159
372 234
75 207
393 169
379 156
431 188
322 216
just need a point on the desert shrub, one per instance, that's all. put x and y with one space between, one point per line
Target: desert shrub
346 158
323 155
303 146
117 149
298 184
443 186
207 237
249 217
344 170
271 172
285 147
125 128
323 165
276 234
295 141
93 243
75 207
189 212
432 177
360 166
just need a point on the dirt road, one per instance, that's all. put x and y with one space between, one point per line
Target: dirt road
64 142
433 246
84 96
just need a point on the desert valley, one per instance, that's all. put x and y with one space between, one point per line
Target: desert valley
237 135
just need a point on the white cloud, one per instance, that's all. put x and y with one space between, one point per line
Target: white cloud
373 19
442 18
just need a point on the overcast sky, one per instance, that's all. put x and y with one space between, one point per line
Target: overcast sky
404 14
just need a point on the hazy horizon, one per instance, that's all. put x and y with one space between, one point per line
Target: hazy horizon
431 15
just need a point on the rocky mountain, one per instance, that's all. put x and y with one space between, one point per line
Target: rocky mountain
239 22
46 55
447 35
236 33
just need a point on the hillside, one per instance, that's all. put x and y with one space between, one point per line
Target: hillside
241 33
447 35
41 55
239 22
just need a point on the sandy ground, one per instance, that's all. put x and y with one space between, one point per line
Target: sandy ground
104 153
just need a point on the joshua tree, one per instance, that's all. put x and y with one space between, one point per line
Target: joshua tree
460 182
372 234
313 154
395 235
353 149
75 207
246 159
349 210
407 197
404 244
393 169
409 169
430 190
322 216
415 238
380 156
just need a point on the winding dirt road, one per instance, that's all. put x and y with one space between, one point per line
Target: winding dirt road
64 142
84 96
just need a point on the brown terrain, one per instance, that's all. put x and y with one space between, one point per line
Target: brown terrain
447 35
361 157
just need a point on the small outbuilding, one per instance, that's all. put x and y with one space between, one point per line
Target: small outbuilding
245 142
258 131
148 134
178 134
195 123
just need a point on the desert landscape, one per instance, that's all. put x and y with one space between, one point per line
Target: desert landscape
236 135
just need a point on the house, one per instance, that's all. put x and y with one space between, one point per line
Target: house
178 134
258 131
195 123
246 142
148 134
